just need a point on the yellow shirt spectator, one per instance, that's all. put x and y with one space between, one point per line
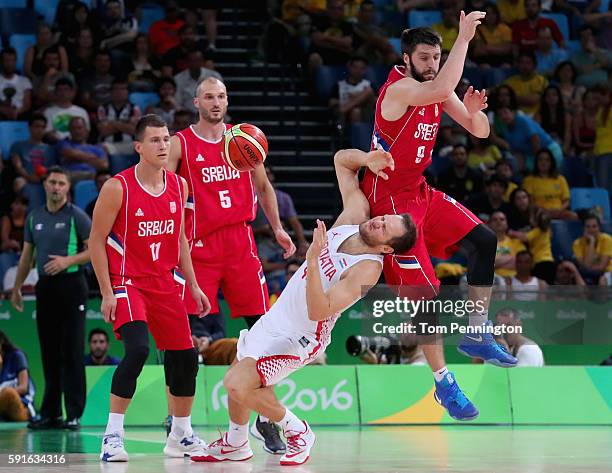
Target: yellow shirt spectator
511 11
509 190
488 157
603 133
500 35
603 247
449 35
508 246
539 242
547 192
535 85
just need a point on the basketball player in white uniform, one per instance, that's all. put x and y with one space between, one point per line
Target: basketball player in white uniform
340 264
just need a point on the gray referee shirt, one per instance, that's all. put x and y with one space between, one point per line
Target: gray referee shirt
61 233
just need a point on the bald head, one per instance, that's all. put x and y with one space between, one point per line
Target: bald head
207 84
211 100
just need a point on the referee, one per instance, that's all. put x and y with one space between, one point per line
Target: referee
57 234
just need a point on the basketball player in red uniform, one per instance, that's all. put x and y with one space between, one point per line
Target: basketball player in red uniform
221 202
137 241
408 112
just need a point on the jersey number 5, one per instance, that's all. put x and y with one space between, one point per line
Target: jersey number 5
155 250
225 199
420 154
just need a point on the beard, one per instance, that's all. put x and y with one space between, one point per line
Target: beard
416 75
207 117
365 236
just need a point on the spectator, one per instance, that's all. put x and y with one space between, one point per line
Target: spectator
176 58
31 158
524 349
82 53
492 44
491 200
167 106
98 350
525 32
16 387
145 67
16 90
332 39
503 169
80 158
525 286
353 98
593 251
548 188
404 6
101 177
539 240
567 274
118 30
371 41
80 19
291 268
511 10
448 28
13 224
44 86
272 261
61 112
585 124
547 56
592 62
554 118
527 84
525 137
187 81
606 279
482 153
460 181
33 63
117 121
407 353
602 149
96 86
507 247
182 119
163 34
521 210
208 335
580 12
565 77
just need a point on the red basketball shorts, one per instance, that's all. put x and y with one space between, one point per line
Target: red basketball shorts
227 259
441 223
158 302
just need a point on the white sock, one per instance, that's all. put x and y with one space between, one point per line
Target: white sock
237 434
181 426
439 375
478 318
115 423
291 422
263 419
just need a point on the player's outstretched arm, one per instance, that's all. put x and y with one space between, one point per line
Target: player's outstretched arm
353 285
469 113
174 157
104 215
347 162
409 91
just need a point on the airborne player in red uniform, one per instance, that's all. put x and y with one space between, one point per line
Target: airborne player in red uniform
221 203
137 241
407 120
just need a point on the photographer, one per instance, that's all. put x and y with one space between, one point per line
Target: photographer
386 351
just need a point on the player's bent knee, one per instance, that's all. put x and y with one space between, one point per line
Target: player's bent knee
181 369
481 246
124 378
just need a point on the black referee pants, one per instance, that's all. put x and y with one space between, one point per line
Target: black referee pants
61 305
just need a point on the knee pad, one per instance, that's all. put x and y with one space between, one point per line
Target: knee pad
181 369
480 245
124 379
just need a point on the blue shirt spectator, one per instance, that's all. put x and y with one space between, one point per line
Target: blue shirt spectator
12 363
31 158
78 156
98 350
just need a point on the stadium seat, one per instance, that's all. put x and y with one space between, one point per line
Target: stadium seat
561 20
576 172
13 3
439 164
35 194
377 74
361 136
326 79
10 132
418 18
563 235
21 42
397 44
17 21
85 192
150 13
604 6
474 75
144 99
573 46
606 226
589 197
46 9
119 162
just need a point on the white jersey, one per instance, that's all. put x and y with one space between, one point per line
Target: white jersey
525 291
289 314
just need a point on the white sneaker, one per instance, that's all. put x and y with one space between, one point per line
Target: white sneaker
113 449
220 451
298 446
184 447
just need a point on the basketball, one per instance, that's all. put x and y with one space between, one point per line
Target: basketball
246 147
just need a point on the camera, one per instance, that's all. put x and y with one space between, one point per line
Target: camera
357 345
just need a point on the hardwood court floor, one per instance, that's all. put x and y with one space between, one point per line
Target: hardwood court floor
460 449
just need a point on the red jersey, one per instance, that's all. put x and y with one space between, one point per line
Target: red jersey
410 140
218 195
145 238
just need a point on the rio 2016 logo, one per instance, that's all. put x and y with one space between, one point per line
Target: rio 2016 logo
303 399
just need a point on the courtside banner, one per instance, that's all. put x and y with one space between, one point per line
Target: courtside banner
323 395
399 394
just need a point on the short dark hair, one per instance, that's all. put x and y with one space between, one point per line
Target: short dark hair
8 50
58 170
97 331
119 81
358 57
37 117
51 50
412 37
150 120
529 54
522 253
403 243
166 80
497 179
64 81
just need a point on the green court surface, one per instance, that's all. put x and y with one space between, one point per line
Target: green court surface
464 448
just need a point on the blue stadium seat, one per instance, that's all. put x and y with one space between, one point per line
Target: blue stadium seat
563 235
361 136
13 3
326 79
423 18
150 13
35 194
46 9
397 44
604 6
21 42
17 21
439 164
377 74
606 226
561 20
589 197
573 46
144 99
84 192
119 162
576 172
10 132
474 75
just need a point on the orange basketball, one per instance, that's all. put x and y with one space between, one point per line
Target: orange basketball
246 147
